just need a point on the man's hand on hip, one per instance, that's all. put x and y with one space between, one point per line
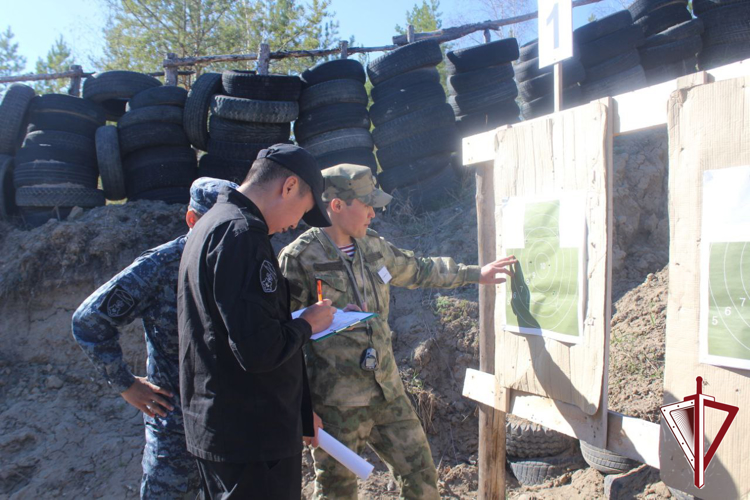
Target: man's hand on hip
148 397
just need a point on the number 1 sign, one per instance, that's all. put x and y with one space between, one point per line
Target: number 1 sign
555 31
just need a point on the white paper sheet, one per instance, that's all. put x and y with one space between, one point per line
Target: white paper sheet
358 465
341 321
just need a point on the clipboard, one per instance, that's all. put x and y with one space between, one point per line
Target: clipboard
341 321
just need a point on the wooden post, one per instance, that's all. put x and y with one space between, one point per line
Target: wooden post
264 53
558 83
410 34
491 422
75 81
487 36
344 45
170 72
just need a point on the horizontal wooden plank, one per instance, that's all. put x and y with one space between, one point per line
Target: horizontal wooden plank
631 437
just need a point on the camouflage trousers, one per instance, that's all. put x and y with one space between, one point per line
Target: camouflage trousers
169 471
393 430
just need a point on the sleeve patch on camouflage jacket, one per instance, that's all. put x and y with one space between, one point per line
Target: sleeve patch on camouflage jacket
372 257
329 266
118 302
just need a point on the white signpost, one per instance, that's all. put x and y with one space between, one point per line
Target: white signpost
555 39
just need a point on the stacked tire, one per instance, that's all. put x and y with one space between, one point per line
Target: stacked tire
535 84
672 39
415 129
726 38
482 90
112 89
13 108
56 167
251 113
154 160
334 124
608 50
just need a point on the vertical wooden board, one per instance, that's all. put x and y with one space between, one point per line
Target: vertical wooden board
709 128
568 151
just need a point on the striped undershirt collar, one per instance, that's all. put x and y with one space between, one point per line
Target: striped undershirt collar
348 250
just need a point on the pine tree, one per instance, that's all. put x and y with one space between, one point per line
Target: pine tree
11 62
59 59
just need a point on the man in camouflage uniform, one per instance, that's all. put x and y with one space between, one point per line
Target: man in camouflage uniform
147 289
355 385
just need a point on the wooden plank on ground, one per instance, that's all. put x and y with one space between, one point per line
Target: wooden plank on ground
709 129
562 153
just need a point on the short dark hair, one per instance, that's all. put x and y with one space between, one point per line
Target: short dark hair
264 171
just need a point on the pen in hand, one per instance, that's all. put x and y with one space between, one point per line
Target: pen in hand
320 291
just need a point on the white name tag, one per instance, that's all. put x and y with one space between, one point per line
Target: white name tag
384 275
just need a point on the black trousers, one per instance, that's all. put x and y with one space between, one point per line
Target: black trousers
275 480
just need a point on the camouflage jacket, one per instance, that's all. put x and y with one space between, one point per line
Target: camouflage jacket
146 289
333 364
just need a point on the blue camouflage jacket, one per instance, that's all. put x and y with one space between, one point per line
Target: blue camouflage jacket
146 289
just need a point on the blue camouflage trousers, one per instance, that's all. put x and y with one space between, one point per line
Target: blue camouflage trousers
169 471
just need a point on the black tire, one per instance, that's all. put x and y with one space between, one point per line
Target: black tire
529 50
13 109
602 27
59 196
337 69
62 122
641 8
725 25
682 30
544 84
407 101
164 114
8 206
62 140
170 195
571 68
616 43
408 125
114 108
480 78
110 163
606 461
249 85
222 168
654 57
403 81
472 102
419 145
572 96
412 172
664 18
412 56
430 193
67 155
157 156
345 138
108 85
53 172
244 151
617 64
718 55
332 92
702 6
488 119
197 104
531 471
627 81
68 105
167 174
252 110
166 95
486 54
221 129
355 156
328 118
524 439
151 135
671 71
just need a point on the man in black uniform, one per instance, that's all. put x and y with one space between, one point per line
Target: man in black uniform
243 384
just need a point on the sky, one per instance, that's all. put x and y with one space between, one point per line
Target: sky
38 23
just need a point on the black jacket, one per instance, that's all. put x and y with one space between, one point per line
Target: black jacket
242 376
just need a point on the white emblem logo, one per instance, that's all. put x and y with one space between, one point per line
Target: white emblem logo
268 280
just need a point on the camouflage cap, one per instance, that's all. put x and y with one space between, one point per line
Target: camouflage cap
347 182
204 192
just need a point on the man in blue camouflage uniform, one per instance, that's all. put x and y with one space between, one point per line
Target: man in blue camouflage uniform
147 289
